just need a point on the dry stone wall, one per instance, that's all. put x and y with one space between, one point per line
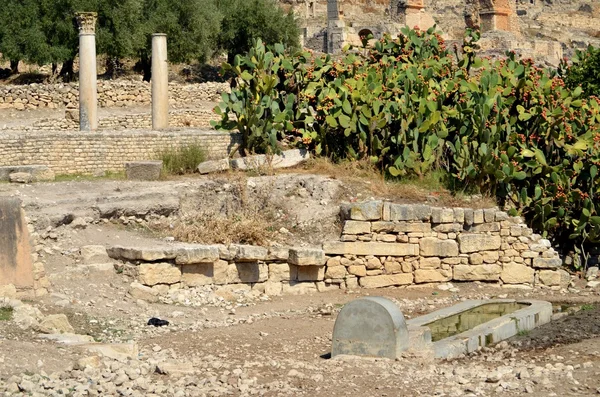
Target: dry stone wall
118 93
98 152
382 245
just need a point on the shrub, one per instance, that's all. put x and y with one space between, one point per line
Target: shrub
182 160
584 71
409 105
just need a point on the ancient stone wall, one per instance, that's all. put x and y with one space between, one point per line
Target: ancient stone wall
382 245
91 153
117 93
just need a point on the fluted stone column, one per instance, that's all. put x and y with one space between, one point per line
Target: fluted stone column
160 82
88 90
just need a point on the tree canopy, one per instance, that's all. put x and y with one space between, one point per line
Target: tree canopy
45 31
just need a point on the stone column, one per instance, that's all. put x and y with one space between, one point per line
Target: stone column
160 82
88 90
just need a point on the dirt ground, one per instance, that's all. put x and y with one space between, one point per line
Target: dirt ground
249 344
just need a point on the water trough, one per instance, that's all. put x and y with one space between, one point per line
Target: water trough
376 327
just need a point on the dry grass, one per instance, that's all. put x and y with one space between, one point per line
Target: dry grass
248 221
363 176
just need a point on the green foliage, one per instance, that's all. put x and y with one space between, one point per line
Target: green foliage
584 71
503 127
182 160
6 313
245 21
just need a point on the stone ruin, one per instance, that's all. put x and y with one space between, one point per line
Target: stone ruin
331 25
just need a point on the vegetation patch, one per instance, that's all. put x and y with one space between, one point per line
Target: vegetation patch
182 160
6 313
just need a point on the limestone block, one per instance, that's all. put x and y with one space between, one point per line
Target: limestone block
249 253
306 257
490 256
383 226
158 273
282 272
197 275
139 291
476 258
489 215
371 326
477 272
551 278
249 162
141 254
515 273
56 324
392 267
386 280
431 246
325 287
412 227
459 215
197 254
501 216
273 288
20 177
289 158
547 263
430 276
277 253
468 214
335 261
485 228
366 211
208 167
373 263
94 254
477 242
311 273
409 212
370 248
442 215
335 272
221 272
356 227
297 288
143 170
38 173
430 263
360 270
352 283
8 291
477 217
448 228
247 272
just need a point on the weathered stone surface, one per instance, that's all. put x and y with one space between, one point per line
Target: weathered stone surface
175 368
197 274
117 351
20 177
360 270
141 254
38 173
273 288
547 263
311 273
386 280
221 272
208 167
247 272
409 212
371 326
370 248
297 288
306 257
282 272
477 272
16 265
249 162
515 273
442 215
249 252
56 323
366 211
143 170
289 158
431 246
430 276
372 262
197 254
139 291
550 278
278 253
356 227
94 254
158 273
335 272
477 242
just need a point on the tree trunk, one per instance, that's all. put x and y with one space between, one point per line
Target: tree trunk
113 67
14 66
66 72
147 68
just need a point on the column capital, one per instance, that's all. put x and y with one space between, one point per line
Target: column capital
86 22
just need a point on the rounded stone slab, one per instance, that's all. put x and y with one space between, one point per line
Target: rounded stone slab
371 326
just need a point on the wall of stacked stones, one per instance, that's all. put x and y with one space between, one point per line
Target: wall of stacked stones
382 245
110 93
89 153
180 118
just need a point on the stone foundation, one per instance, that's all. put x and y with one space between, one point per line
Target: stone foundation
382 245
